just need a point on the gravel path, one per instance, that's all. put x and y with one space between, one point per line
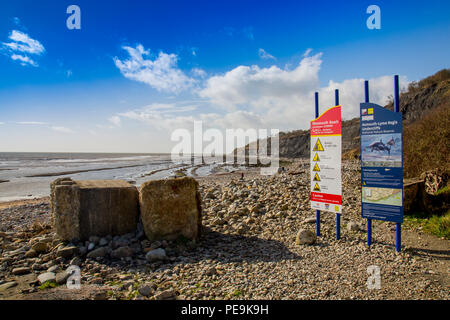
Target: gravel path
247 250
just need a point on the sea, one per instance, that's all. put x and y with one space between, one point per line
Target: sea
26 175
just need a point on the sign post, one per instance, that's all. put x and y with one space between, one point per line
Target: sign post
325 168
338 215
381 164
317 211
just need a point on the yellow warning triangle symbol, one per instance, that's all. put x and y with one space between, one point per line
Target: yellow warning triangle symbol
318 146
316 187
316 158
316 177
316 167
364 183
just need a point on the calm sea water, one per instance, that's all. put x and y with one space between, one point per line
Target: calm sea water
29 174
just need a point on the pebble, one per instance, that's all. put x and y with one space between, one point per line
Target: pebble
99 252
21 271
7 285
156 255
46 277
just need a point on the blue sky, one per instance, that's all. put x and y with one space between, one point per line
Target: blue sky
250 64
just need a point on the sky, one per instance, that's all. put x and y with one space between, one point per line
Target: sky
137 71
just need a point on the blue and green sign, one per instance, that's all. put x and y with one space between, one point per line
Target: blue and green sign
381 163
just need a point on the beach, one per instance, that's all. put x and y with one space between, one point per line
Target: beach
247 250
28 175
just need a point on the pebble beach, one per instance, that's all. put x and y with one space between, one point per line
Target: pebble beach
250 248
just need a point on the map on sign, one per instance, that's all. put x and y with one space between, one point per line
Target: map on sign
326 189
381 163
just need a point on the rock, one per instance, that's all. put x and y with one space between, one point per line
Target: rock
40 247
21 271
156 255
53 269
166 295
171 208
31 254
37 267
76 261
67 252
82 250
7 285
47 277
211 271
310 220
146 290
103 242
99 252
82 209
305 237
122 252
91 246
155 245
99 295
61 277
353 226
94 239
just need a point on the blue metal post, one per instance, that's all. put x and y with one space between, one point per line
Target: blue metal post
338 216
317 211
398 230
369 221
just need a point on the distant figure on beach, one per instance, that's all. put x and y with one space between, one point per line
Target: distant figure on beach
242 176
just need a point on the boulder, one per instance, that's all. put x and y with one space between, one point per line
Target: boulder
82 209
156 255
171 208
146 290
40 247
99 252
122 252
61 277
47 277
305 237
67 252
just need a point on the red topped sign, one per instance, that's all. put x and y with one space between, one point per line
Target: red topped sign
328 124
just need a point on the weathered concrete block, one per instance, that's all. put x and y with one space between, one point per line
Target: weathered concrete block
171 208
81 209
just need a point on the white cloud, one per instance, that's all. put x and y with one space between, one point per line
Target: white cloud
161 73
254 97
21 46
62 129
307 52
271 97
265 55
262 87
25 60
197 72
24 43
34 123
161 115
115 120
